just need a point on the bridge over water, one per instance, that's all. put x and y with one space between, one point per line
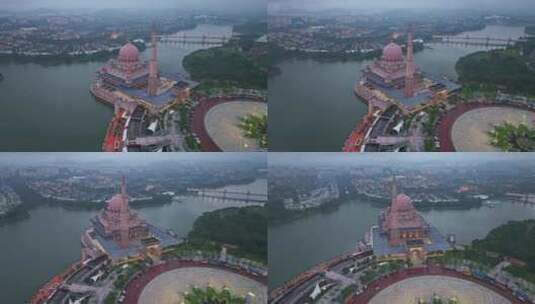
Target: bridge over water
209 40
476 40
226 195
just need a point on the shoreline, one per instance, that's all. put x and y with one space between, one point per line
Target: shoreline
22 211
288 216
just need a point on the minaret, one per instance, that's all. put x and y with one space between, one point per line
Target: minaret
154 81
123 216
123 187
409 73
394 187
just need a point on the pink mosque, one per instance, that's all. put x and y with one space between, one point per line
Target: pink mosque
129 71
138 94
393 70
403 234
118 223
396 80
121 234
129 80
393 86
401 221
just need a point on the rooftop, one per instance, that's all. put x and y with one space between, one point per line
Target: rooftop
381 247
163 98
135 247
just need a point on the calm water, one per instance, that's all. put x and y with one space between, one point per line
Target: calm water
37 248
322 236
312 104
49 108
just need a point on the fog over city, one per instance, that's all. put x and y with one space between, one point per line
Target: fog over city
230 6
372 159
127 159
316 5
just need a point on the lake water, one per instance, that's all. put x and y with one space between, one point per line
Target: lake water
48 241
312 104
49 108
302 243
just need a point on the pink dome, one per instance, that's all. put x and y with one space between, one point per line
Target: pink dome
115 203
392 52
402 203
129 53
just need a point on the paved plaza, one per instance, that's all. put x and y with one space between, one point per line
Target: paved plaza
408 290
222 124
169 287
470 131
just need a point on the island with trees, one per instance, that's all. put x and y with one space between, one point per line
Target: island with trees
242 62
509 70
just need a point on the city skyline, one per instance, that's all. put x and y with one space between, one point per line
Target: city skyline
227 6
119 159
369 159
318 5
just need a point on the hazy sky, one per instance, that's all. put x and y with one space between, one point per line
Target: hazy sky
236 5
394 4
59 159
395 158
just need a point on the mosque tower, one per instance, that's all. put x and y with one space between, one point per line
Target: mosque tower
154 81
124 216
409 73
394 187
117 222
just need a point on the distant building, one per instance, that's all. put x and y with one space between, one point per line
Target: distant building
121 234
403 234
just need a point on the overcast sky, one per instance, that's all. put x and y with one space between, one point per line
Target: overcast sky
394 4
392 159
42 158
227 5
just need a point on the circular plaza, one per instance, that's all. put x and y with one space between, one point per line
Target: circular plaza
223 120
170 282
425 287
216 121
407 286
466 127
